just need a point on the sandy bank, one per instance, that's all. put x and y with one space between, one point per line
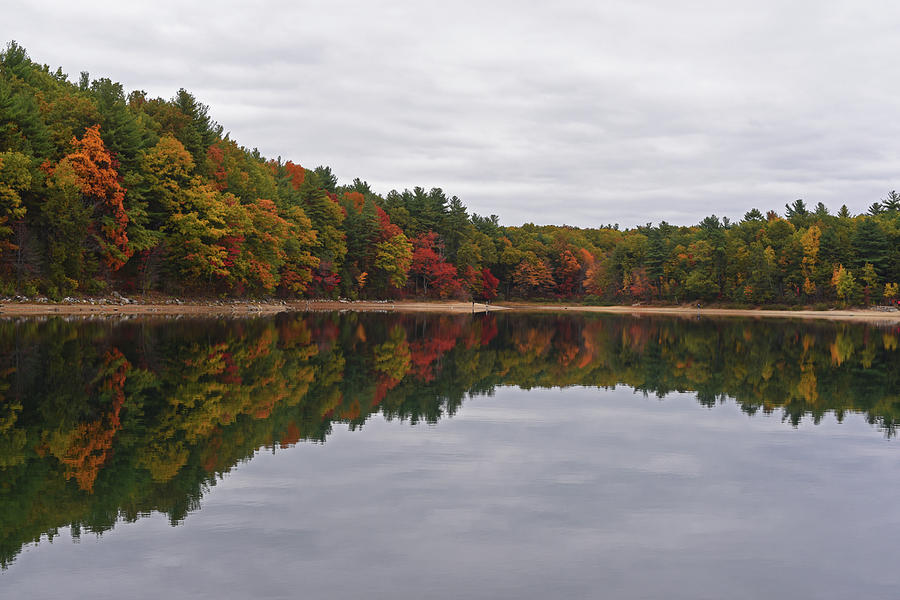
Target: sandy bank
686 311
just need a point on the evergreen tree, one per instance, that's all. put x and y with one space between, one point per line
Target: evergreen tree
200 131
870 245
892 202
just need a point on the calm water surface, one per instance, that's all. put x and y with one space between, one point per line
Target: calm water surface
424 456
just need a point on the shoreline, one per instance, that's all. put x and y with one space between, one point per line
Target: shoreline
23 309
861 314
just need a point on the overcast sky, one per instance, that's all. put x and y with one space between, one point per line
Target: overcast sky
572 112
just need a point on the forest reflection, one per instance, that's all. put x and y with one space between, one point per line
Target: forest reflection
108 420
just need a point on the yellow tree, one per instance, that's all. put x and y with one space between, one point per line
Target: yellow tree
890 290
166 169
15 177
844 283
872 287
393 257
299 262
810 243
194 234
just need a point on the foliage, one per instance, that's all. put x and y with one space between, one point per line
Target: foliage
394 258
844 283
100 188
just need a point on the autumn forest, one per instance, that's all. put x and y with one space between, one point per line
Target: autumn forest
105 190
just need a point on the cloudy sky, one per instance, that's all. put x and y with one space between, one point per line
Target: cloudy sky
573 112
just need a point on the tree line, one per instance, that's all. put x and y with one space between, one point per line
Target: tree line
104 190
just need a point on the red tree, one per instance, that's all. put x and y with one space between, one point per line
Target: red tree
431 268
489 284
568 274
95 170
296 173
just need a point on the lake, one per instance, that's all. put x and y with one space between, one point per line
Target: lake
382 455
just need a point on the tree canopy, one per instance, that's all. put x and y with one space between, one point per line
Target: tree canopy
103 189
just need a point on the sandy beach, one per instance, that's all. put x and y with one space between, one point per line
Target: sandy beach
859 314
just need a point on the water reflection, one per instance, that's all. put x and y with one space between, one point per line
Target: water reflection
102 421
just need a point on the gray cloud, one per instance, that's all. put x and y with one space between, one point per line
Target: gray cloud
576 112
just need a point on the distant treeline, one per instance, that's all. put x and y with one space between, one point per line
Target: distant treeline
102 421
102 190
